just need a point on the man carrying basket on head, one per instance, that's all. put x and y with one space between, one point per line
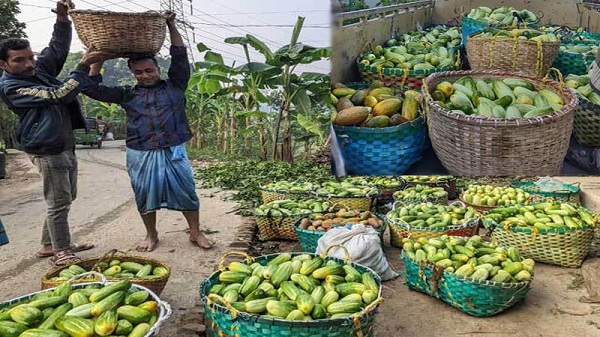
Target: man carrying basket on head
157 130
48 112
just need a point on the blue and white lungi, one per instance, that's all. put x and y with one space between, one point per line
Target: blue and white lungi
162 178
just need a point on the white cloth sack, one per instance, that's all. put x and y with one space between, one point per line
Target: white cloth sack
109 136
363 244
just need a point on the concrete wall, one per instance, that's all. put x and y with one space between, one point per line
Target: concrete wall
375 27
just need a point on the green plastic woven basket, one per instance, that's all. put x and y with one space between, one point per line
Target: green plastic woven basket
569 193
586 123
476 298
309 239
565 247
224 321
574 63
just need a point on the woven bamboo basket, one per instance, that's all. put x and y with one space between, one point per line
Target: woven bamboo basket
479 146
566 247
155 284
511 54
164 309
586 124
224 320
595 246
123 34
568 193
400 230
470 26
475 298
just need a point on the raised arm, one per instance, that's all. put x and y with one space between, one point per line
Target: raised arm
179 71
53 57
92 79
34 95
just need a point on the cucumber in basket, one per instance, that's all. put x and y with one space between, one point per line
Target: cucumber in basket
471 258
105 313
303 287
432 216
115 269
542 215
492 196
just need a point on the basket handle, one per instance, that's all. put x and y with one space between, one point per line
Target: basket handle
221 265
347 259
107 256
458 202
86 274
214 297
356 317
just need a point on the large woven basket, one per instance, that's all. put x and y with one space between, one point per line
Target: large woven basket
400 230
476 298
586 124
511 54
470 26
155 284
123 34
309 239
574 63
568 193
164 309
226 321
565 247
381 151
479 146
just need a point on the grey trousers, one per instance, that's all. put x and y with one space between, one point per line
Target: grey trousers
59 175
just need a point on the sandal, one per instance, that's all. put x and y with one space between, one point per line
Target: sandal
75 247
63 258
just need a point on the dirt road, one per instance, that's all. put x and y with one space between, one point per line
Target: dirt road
105 214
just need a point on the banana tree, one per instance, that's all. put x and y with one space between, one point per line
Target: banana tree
299 92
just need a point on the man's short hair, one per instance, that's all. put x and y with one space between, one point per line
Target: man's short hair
12 44
140 58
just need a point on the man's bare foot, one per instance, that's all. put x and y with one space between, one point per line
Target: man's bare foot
202 241
148 245
47 251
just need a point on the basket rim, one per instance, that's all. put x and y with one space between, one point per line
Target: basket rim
567 109
471 222
388 129
262 189
401 71
316 322
557 230
472 37
156 14
504 285
46 277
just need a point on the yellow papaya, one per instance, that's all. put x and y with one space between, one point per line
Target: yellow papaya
409 108
341 92
387 107
377 92
344 103
352 116
370 101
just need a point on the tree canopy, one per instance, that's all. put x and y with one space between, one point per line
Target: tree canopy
9 25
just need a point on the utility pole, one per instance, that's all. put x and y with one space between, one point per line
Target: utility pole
184 27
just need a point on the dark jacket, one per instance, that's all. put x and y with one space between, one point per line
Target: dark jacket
156 116
37 101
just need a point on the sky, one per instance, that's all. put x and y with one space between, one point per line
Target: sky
271 21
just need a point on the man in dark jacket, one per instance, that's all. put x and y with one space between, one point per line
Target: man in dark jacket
48 111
